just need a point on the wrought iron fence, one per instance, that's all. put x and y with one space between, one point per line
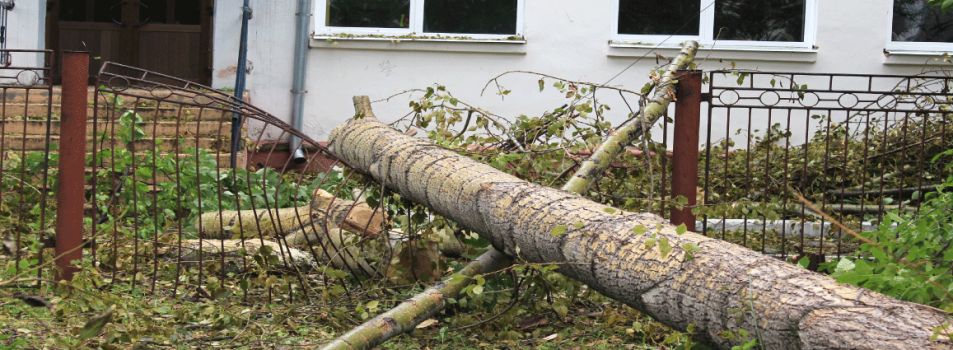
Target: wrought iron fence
28 126
857 145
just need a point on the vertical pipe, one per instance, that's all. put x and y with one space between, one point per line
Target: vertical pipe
69 190
303 17
685 141
240 75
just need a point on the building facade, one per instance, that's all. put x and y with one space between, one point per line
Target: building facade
381 48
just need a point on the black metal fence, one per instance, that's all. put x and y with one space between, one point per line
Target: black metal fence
857 145
28 126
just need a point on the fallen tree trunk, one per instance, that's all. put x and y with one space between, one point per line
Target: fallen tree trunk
640 259
409 314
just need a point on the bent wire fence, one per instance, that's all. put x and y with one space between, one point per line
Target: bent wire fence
164 212
161 185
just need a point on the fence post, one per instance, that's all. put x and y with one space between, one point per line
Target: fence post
685 151
72 171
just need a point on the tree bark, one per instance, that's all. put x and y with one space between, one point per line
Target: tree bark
409 314
720 287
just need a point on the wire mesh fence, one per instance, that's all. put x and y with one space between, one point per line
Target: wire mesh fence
166 206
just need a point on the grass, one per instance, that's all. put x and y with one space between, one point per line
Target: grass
273 317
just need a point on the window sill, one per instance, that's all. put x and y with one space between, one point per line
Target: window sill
733 53
914 58
501 46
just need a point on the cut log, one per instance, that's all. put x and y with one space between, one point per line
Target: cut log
235 257
236 224
639 258
354 217
342 250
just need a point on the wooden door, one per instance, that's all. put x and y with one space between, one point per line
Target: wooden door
172 37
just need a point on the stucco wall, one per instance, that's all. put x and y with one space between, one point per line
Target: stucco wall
26 29
564 38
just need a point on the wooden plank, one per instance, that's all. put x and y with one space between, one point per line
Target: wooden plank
175 28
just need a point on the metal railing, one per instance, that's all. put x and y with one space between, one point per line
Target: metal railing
26 118
856 145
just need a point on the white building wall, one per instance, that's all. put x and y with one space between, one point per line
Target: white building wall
26 30
564 38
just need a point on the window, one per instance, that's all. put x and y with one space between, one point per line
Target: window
732 23
917 26
478 19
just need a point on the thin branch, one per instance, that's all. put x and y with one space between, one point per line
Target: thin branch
494 80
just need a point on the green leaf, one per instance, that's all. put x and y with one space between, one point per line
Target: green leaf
558 230
542 84
663 244
96 324
577 224
804 262
681 229
453 101
851 278
647 88
649 243
478 290
880 255
690 247
609 210
845 265
773 82
639 230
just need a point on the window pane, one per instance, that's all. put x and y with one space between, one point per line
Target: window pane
914 20
153 11
369 13
470 16
659 17
102 10
759 20
188 12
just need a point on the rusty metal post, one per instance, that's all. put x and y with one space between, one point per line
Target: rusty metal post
685 141
72 148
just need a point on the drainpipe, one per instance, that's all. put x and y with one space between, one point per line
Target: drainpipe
240 74
5 6
300 72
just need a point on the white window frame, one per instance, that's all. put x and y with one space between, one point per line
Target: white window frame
912 46
416 27
706 33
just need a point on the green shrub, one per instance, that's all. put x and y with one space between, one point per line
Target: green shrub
911 258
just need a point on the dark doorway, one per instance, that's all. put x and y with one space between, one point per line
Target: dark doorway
167 36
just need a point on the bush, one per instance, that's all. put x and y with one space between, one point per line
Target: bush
910 257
